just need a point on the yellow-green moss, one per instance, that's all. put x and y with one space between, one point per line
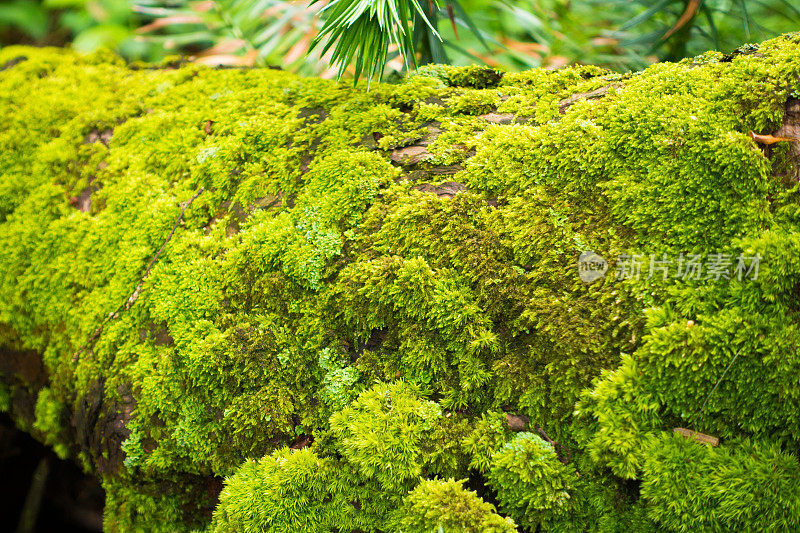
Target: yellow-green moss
313 292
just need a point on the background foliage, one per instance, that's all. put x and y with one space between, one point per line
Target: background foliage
512 34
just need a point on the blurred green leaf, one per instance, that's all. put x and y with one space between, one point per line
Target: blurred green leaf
63 4
104 35
26 15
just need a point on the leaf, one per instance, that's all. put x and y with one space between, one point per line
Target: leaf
688 14
769 139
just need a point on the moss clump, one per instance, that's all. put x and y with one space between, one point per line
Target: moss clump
535 488
473 76
690 487
437 505
283 492
490 434
383 433
49 421
367 283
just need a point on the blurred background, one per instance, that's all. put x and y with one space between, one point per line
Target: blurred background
512 34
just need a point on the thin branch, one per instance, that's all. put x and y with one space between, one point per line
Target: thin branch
137 291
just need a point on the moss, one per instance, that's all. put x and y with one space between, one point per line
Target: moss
473 102
289 490
132 502
320 291
476 77
5 398
531 484
473 76
436 505
731 488
491 433
49 421
338 381
382 433
459 137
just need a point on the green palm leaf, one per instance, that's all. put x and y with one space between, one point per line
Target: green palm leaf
364 29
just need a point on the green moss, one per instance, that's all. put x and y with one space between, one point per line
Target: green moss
383 433
49 421
473 102
691 487
5 397
476 77
531 484
445 506
283 492
490 434
338 382
473 76
313 292
137 505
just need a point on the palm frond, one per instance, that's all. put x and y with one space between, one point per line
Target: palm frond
361 31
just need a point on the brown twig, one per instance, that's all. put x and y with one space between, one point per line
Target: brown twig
137 291
566 457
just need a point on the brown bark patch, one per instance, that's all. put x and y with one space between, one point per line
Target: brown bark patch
445 190
591 95
301 441
516 422
25 372
157 333
312 115
410 155
499 118
434 130
100 427
83 202
99 136
448 170
791 129
11 62
22 367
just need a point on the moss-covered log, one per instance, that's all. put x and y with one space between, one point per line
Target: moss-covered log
249 301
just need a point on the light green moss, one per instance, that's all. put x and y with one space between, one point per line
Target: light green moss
532 485
283 492
5 398
313 292
746 485
49 421
445 506
383 433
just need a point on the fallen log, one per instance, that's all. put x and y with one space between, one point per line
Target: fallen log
250 301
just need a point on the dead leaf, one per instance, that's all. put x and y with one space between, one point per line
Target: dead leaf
688 14
769 139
